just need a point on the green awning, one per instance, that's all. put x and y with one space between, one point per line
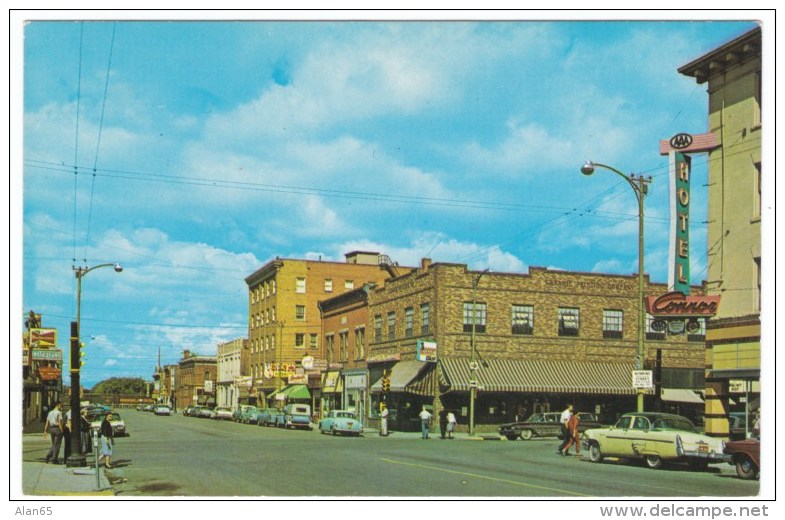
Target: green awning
292 392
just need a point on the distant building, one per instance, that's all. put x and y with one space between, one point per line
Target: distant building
733 73
196 376
231 384
284 322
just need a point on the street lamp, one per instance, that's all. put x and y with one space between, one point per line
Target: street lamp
473 365
640 185
77 459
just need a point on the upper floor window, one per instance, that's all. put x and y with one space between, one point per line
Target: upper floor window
569 321
314 341
299 340
359 343
655 329
300 285
328 285
391 325
408 319
523 319
425 316
348 285
343 342
377 326
474 315
299 312
329 346
612 323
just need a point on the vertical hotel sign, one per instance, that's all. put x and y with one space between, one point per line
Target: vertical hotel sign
677 149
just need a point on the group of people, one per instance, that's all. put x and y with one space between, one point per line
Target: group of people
59 428
447 422
569 431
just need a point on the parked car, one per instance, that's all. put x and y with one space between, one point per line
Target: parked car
222 413
162 409
205 413
297 416
655 438
545 425
745 455
117 422
245 413
340 421
193 411
269 417
737 426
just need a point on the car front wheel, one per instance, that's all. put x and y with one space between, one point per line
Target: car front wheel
653 461
595 454
511 437
746 469
333 431
526 434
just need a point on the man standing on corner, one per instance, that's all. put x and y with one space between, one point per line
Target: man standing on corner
384 414
54 423
425 418
565 428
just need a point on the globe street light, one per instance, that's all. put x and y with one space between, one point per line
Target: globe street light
473 365
76 459
640 186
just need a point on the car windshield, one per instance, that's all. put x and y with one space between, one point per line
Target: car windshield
347 415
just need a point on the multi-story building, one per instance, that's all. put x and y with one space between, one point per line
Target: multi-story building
733 74
196 377
283 316
42 372
537 341
230 377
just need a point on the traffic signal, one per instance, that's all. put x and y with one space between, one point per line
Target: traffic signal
385 384
81 354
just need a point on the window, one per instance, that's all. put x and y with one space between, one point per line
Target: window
523 319
272 342
409 321
267 288
272 314
756 193
273 286
377 325
391 325
474 313
343 345
348 285
757 283
299 285
267 343
612 321
328 285
314 341
329 344
299 340
569 321
655 329
425 314
359 343
299 312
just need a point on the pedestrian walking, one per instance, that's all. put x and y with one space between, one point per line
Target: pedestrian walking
384 414
54 426
107 440
451 422
575 435
84 431
564 420
443 423
425 420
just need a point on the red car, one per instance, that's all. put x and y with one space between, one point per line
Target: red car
745 455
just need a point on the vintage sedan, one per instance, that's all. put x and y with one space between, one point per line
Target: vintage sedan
269 417
246 414
341 421
655 438
745 455
162 409
117 422
222 413
545 425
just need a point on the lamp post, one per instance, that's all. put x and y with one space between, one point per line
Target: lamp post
639 185
76 459
473 365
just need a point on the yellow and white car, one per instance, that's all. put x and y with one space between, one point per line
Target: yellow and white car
654 438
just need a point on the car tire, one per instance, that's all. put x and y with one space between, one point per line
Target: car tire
745 469
527 434
653 461
595 454
333 431
511 437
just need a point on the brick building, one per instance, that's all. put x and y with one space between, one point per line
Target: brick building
196 376
542 339
284 322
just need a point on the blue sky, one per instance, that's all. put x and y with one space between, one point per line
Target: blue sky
205 149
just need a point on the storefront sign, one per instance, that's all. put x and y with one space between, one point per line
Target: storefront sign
49 373
679 264
43 337
677 305
307 362
47 354
642 379
298 379
381 358
426 351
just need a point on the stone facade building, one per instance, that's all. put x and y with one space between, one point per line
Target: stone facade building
196 377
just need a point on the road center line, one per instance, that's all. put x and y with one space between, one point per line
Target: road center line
475 475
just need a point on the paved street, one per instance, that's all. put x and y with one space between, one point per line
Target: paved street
183 456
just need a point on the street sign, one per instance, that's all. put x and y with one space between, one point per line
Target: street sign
642 379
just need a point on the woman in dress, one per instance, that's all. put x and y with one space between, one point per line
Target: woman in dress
107 440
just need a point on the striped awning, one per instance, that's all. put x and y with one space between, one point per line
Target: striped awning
402 373
501 375
425 383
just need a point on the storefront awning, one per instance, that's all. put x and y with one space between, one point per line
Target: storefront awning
681 395
402 373
292 392
501 375
332 382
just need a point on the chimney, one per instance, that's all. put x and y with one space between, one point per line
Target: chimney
425 263
186 354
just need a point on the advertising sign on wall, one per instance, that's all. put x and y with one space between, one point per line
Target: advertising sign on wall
426 351
679 264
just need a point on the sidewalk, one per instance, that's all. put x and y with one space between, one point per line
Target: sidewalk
42 479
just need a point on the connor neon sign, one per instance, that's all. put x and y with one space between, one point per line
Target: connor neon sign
677 304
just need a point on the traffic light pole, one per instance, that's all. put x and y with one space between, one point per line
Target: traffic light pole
75 459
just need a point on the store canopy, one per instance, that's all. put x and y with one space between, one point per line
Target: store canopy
503 375
402 373
681 395
292 392
332 382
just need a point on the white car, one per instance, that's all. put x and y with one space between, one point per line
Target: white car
223 412
162 410
118 424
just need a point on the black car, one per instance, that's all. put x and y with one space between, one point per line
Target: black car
545 425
